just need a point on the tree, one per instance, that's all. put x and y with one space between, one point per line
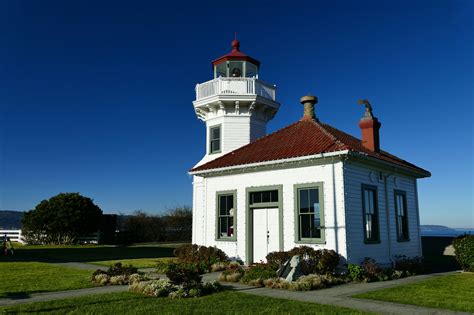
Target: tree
142 227
179 223
61 219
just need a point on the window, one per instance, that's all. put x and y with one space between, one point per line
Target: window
226 216
263 196
215 139
309 214
401 215
370 210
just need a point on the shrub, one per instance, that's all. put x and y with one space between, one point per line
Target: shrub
277 259
218 266
164 287
256 273
408 266
203 257
355 272
185 276
117 275
118 270
309 259
372 270
136 278
464 250
328 261
232 273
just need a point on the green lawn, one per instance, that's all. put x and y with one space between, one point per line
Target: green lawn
23 278
452 292
227 302
139 262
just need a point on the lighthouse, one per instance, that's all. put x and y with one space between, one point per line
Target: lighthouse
235 105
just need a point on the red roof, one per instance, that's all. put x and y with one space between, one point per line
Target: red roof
236 54
303 138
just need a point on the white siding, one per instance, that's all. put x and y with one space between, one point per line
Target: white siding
333 205
355 175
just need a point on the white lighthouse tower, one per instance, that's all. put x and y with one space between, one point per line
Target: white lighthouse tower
236 105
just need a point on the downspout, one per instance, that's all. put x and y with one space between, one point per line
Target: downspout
387 216
420 248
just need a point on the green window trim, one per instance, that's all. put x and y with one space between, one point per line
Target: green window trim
373 213
213 140
403 234
218 235
297 188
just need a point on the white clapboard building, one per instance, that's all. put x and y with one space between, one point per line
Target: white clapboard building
306 184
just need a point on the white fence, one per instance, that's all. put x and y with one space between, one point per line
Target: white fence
14 235
231 86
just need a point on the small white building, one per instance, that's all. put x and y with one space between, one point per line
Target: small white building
306 184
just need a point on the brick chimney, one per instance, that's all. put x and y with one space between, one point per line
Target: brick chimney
309 103
370 126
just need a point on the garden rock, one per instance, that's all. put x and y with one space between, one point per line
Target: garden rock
291 269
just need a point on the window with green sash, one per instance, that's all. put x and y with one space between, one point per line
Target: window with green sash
226 216
401 215
309 216
215 139
370 213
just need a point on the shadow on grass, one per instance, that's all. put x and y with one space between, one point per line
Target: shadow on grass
15 295
86 253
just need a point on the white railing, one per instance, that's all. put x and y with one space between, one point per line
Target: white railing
13 235
230 86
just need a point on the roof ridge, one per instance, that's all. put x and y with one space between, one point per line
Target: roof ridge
336 140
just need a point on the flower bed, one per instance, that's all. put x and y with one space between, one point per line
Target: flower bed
117 275
318 268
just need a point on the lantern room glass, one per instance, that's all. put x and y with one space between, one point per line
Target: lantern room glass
236 69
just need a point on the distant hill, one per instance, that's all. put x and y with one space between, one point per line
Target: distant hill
441 230
10 219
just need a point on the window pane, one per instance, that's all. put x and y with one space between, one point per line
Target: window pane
223 226
266 196
230 224
215 145
316 226
368 227
230 203
305 225
313 198
216 133
274 196
304 201
222 205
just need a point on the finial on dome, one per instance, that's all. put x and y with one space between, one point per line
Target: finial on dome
235 43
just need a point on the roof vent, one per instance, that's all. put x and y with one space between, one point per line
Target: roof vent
309 103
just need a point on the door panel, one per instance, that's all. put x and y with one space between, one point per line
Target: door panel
265 233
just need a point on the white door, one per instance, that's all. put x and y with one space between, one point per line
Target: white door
265 233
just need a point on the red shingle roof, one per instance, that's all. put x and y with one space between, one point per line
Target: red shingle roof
303 138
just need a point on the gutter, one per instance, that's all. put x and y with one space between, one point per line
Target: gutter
273 162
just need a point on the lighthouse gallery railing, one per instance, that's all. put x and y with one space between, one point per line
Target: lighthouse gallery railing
232 86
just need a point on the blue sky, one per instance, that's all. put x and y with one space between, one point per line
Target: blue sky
96 96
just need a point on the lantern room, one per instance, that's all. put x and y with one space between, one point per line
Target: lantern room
236 64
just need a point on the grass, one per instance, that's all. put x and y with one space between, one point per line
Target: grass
23 278
452 292
139 262
226 302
